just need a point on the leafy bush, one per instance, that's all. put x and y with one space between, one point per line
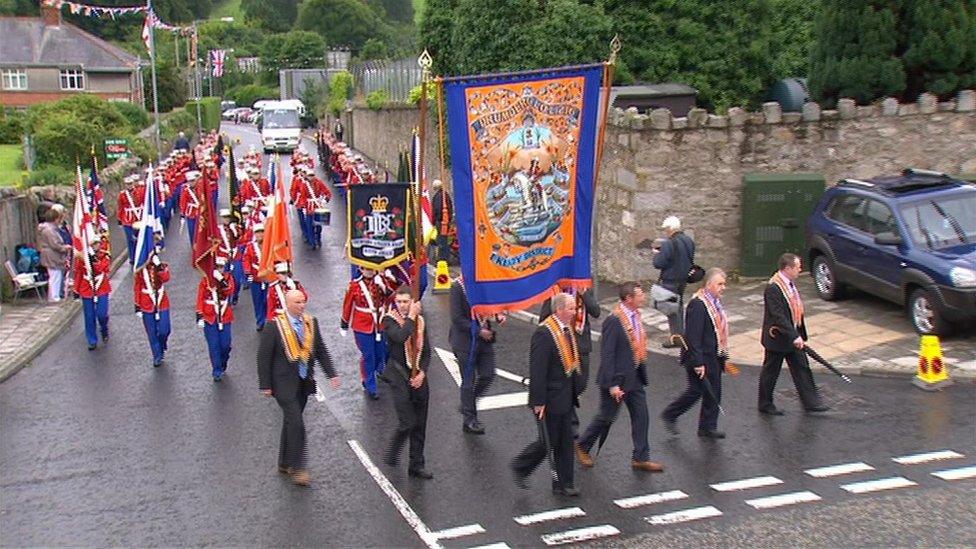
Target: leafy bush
248 94
340 90
176 122
11 126
50 175
209 112
66 137
377 99
144 149
137 116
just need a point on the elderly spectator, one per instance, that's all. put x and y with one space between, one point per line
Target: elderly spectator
54 253
674 259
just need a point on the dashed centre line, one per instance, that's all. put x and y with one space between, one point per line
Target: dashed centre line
915 459
580 534
836 470
878 485
783 499
650 499
956 474
459 532
746 484
684 515
555 514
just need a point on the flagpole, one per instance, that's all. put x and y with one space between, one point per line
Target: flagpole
425 63
601 133
152 59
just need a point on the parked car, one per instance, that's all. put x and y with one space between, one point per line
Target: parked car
909 238
227 105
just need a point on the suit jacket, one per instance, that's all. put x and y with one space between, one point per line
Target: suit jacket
776 312
549 385
396 336
460 333
592 309
700 337
617 367
275 372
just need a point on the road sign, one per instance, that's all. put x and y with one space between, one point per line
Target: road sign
117 148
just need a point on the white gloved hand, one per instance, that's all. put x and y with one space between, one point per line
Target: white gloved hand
200 323
156 261
218 275
343 333
138 314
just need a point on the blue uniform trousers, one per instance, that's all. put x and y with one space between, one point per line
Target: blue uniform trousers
374 357
191 229
301 223
158 332
236 269
95 312
131 235
259 295
218 345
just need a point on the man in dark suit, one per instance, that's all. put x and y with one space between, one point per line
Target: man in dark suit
554 367
473 344
622 377
408 356
586 306
784 332
286 356
706 338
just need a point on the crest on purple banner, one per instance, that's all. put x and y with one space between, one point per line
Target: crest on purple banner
378 231
523 150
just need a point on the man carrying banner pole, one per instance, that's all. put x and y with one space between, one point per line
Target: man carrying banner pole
150 273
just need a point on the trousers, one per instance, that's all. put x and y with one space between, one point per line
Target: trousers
157 330
708 416
55 279
259 295
799 370
218 345
131 235
95 312
560 431
475 378
237 271
411 408
373 358
291 448
636 403
191 229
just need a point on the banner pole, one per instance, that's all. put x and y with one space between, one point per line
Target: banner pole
425 63
601 137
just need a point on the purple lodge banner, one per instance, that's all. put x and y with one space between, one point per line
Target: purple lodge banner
377 224
523 150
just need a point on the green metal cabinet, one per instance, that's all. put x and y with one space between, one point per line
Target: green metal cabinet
775 208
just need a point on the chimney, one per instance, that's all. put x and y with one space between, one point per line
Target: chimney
51 15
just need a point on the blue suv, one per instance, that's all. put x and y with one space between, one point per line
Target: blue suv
909 238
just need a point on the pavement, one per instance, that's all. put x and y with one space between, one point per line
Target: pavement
101 449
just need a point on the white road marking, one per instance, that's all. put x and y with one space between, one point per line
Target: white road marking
506 400
746 484
956 474
649 499
429 538
555 514
447 357
835 470
783 499
499 545
915 459
685 515
877 485
459 532
581 534
509 375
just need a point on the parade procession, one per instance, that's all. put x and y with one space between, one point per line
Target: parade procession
504 309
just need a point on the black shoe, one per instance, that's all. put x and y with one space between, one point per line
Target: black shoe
157 364
420 473
260 328
373 396
670 345
104 337
571 491
91 346
474 427
670 425
820 408
771 411
711 434
392 460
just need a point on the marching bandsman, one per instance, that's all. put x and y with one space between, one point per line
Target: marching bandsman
93 287
473 344
408 356
163 193
211 174
362 310
293 199
152 304
279 287
251 259
190 203
129 210
230 240
313 194
216 315
255 189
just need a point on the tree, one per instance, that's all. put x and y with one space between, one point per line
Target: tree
291 50
341 22
18 7
270 15
340 90
856 52
374 49
170 85
396 10
436 28
940 46
504 24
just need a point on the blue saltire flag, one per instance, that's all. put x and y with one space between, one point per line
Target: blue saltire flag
523 155
149 226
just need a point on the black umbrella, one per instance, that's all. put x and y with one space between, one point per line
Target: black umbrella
814 355
544 433
706 384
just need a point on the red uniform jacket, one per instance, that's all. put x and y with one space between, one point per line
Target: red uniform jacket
211 309
147 286
130 205
252 258
276 295
254 190
190 202
296 187
100 274
229 235
310 193
364 314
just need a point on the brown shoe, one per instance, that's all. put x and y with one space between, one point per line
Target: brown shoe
300 477
284 470
583 456
648 466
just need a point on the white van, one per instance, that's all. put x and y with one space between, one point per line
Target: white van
280 126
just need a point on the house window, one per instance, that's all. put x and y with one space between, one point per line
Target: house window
14 79
72 79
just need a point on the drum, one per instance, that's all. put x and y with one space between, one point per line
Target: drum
321 216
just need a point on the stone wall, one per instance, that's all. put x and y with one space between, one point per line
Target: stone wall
655 165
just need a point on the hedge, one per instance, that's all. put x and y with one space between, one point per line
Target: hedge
209 112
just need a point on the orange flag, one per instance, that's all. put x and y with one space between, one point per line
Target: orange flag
276 246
